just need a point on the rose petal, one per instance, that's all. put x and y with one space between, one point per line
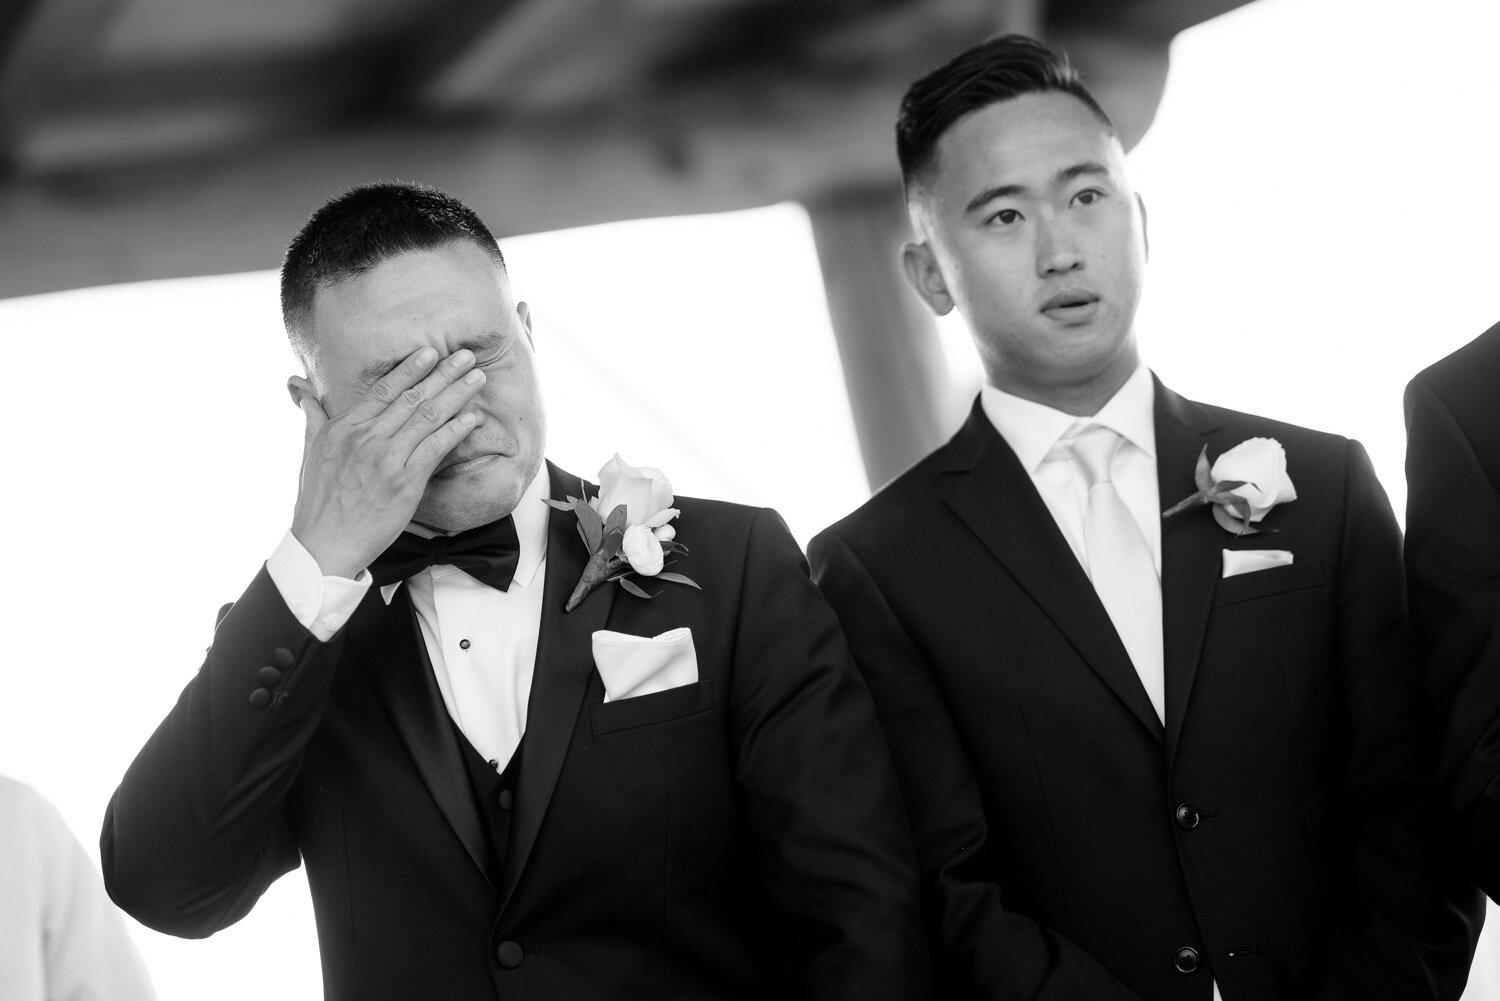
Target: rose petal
660 518
1261 463
643 550
611 472
664 533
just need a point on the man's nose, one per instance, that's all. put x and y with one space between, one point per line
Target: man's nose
1056 251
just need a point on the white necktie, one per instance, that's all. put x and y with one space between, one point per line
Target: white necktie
1120 563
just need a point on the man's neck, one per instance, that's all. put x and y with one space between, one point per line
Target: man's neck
1080 399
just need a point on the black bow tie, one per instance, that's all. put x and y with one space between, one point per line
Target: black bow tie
488 553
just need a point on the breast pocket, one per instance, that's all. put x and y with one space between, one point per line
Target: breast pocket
677 703
1268 583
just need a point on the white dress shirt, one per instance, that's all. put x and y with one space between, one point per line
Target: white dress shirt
1038 435
60 937
482 642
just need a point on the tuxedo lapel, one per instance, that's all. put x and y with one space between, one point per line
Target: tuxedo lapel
564 665
389 644
1191 544
987 488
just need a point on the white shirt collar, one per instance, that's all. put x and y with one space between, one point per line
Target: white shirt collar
531 535
1031 429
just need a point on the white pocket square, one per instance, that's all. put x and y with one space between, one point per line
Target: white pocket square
1238 561
640 665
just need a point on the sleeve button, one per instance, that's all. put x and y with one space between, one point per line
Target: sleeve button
260 698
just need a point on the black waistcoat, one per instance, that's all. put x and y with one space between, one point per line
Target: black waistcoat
495 795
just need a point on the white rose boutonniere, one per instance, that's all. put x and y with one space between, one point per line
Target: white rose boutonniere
625 529
1243 485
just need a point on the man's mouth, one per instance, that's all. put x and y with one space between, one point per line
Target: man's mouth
459 465
1071 306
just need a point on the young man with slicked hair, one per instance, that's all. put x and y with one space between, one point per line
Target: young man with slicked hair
504 785
1160 757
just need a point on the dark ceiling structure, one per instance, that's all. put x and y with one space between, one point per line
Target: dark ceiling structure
165 138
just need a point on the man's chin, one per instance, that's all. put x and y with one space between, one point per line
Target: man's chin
457 503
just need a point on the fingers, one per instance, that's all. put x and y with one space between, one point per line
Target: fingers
388 389
431 450
435 411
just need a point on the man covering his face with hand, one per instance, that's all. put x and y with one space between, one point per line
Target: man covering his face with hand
505 784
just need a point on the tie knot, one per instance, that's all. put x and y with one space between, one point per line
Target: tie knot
1095 449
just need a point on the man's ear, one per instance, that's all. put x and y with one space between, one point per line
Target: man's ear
1145 233
925 277
524 312
300 389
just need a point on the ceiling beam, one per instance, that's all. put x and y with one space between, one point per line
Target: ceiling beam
46 45
236 212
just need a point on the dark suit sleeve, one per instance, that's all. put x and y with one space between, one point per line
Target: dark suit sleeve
1408 931
1453 570
820 796
196 832
980 950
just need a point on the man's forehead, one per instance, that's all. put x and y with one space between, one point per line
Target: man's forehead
1033 134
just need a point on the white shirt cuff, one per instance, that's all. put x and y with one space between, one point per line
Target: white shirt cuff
321 603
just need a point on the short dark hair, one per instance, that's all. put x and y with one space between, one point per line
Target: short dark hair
369 224
997 69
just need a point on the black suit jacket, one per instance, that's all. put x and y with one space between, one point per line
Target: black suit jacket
740 837
1071 845
1453 567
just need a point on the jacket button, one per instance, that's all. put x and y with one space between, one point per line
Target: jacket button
282 657
506 799
1187 817
508 954
260 698
1186 959
268 675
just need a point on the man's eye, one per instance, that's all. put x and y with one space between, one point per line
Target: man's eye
1088 196
1006 217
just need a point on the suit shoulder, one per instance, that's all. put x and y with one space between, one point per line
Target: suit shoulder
1469 370
898 503
727 519
1240 425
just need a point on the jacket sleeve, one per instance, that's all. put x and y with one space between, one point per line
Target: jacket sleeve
820 795
196 832
1411 926
980 950
1453 572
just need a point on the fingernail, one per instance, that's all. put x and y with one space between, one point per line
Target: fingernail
475 377
462 357
426 356
468 419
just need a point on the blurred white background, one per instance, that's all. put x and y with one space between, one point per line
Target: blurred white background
1321 189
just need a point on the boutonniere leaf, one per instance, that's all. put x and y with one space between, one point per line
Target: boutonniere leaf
1242 486
632 536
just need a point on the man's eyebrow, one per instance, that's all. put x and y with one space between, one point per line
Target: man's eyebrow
1087 168
376 370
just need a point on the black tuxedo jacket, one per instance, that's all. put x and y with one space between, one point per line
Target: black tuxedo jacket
1453 567
740 837
1272 837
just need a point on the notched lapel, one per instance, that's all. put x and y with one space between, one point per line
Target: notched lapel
1191 550
395 659
564 665
986 486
